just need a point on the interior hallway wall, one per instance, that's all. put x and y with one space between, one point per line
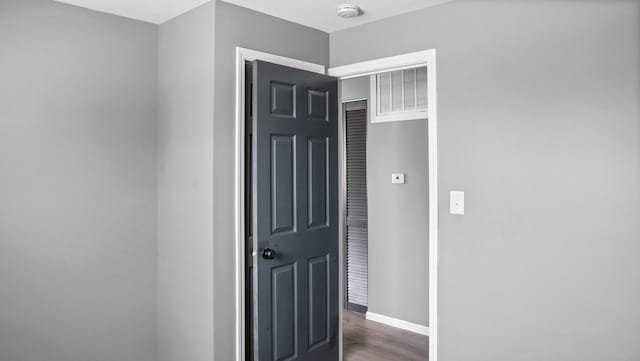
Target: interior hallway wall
237 26
185 186
398 233
77 184
355 89
539 124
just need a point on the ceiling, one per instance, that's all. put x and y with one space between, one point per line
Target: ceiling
152 11
319 14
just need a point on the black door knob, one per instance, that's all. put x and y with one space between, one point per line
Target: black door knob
268 253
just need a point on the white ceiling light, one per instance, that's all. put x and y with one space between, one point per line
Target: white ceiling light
348 11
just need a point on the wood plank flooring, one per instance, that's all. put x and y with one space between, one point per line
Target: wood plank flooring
366 340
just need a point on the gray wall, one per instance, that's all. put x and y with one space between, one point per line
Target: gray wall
354 89
538 116
185 187
237 26
77 184
398 232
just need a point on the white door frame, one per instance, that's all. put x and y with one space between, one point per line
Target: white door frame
243 55
410 60
427 58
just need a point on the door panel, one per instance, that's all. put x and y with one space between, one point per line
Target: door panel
319 318
285 313
283 100
283 190
295 220
318 196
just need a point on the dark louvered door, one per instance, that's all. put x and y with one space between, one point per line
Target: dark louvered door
357 225
295 223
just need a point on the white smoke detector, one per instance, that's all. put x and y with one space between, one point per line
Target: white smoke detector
348 10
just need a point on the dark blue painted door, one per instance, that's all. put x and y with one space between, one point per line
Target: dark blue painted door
295 223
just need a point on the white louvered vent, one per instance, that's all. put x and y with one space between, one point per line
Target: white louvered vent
399 95
357 235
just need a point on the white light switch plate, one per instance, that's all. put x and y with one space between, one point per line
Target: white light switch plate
397 178
457 202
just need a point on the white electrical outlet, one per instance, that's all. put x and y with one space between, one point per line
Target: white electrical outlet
457 202
397 178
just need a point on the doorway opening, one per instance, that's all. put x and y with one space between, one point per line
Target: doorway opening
385 172
348 315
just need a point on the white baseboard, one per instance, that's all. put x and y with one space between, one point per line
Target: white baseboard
394 322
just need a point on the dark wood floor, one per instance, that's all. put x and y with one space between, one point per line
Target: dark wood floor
366 340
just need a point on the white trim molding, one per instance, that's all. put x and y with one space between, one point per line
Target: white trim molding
434 227
251 55
243 55
397 323
399 62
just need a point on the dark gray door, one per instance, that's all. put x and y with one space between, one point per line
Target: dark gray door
295 204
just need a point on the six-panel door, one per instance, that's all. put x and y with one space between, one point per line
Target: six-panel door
295 223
